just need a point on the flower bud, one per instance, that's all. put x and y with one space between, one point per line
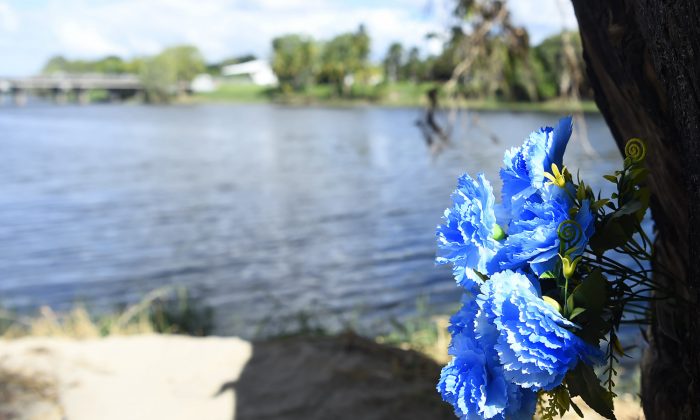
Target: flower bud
568 267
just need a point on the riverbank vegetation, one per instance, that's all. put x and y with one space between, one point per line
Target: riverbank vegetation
504 72
399 94
170 311
167 310
174 310
29 385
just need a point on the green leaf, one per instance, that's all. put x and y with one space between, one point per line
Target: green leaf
611 178
581 192
554 403
576 311
576 409
643 196
582 381
563 400
570 304
591 294
614 231
631 207
548 275
617 346
600 203
483 277
639 175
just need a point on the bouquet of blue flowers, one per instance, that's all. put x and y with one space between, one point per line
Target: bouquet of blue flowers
545 292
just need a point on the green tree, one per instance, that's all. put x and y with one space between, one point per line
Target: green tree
56 64
294 61
159 77
487 53
169 73
413 69
442 66
134 65
185 60
550 59
519 77
393 62
343 57
110 65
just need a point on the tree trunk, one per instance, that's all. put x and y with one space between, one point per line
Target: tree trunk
643 61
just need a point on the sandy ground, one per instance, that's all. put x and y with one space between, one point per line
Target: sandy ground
175 377
134 377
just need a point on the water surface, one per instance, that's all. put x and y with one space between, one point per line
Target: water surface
265 211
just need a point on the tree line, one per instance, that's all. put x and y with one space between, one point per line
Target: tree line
523 74
163 75
504 72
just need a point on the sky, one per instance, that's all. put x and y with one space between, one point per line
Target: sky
31 31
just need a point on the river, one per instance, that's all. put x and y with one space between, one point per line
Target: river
266 212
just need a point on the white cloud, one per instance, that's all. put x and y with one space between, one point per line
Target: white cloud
543 17
9 21
85 40
222 28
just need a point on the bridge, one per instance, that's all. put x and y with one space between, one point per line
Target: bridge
61 87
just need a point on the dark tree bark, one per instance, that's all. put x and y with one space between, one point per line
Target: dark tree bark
643 60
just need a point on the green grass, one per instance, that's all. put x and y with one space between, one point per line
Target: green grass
402 94
235 92
412 94
553 106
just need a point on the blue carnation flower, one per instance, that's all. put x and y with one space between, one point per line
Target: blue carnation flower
534 343
465 238
533 238
523 174
474 382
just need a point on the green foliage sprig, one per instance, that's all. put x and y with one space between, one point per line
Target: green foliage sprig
595 289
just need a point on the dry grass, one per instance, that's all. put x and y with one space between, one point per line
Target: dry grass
428 336
76 324
34 395
25 395
157 312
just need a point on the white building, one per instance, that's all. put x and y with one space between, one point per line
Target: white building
203 83
259 72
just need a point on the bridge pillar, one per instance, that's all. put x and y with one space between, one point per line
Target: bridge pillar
19 96
115 95
59 95
82 96
139 95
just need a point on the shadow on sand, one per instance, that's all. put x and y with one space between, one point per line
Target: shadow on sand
342 377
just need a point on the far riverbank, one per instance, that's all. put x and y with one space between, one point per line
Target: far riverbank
393 95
